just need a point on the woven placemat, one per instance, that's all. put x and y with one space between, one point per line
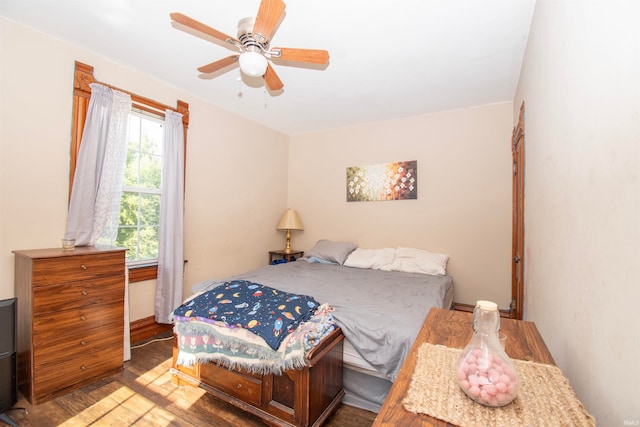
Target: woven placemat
544 395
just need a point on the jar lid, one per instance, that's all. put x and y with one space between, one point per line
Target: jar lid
487 305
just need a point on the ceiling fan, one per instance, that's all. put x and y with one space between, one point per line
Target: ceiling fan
253 44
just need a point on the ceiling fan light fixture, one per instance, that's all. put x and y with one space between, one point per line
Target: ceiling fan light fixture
252 50
253 64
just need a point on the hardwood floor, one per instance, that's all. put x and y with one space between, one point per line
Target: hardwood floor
143 395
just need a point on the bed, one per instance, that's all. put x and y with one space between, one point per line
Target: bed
379 300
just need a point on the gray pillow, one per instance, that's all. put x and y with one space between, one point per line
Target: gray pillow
333 252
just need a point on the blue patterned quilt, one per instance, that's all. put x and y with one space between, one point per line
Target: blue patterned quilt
267 312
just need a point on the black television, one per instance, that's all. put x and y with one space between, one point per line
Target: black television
8 390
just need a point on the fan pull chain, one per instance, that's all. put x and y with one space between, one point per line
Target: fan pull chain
239 79
265 98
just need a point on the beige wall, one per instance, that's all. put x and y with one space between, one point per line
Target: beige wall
581 86
237 177
236 181
464 192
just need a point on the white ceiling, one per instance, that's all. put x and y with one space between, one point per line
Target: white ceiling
389 59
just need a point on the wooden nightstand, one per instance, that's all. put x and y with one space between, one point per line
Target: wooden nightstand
282 255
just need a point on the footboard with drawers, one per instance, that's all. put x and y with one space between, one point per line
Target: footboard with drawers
299 397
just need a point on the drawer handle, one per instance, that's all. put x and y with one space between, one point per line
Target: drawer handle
83 318
83 342
85 293
84 267
83 368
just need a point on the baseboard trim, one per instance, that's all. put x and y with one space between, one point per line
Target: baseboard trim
469 308
146 328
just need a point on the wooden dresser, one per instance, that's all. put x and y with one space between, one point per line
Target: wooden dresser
70 318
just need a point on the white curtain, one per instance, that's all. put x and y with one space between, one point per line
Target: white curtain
94 207
171 234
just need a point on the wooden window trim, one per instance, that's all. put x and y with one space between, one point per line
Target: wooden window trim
140 274
83 77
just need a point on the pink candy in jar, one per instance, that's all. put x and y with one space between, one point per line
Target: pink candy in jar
487 379
484 371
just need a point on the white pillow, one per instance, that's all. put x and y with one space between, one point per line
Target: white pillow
379 259
412 260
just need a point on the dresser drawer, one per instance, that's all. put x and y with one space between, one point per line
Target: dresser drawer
50 379
47 271
48 327
244 386
77 294
62 348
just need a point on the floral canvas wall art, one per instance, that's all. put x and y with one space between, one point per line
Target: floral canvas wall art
390 181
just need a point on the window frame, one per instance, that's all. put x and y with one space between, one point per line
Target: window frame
142 189
83 76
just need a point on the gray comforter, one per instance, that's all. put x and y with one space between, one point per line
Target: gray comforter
380 312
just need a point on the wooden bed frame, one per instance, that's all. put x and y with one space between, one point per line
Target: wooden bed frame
299 397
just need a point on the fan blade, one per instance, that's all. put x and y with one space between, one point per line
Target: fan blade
269 14
271 79
219 64
200 27
302 55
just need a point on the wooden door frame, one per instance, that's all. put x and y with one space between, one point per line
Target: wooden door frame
517 239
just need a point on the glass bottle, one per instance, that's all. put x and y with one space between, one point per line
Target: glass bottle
484 371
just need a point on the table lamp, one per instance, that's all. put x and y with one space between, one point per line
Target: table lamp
289 221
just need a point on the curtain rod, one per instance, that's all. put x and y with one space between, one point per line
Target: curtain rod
83 76
146 102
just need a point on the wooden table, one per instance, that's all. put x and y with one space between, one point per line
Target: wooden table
453 329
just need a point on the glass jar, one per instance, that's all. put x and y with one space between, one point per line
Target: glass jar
484 371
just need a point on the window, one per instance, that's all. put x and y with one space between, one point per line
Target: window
140 203
140 207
